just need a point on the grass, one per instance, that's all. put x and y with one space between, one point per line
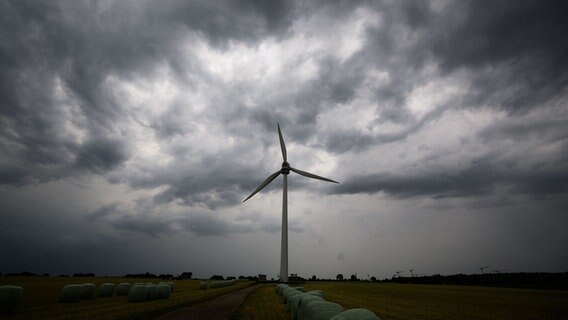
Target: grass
41 294
263 303
437 302
404 301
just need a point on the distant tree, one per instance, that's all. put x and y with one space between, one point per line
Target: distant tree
242 277
314 278
217 277
22 274
231 278
373 278
354 277
185 276
91 274
339 277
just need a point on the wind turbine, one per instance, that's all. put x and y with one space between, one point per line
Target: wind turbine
285 170
482 268
412 272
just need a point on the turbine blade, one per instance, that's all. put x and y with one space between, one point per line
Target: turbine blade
311 175
282 145
262 185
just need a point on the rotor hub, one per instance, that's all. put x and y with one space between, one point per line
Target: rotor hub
285 168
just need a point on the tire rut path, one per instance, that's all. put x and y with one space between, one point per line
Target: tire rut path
220 308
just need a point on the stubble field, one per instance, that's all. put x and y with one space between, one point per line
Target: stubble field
436 302
40 299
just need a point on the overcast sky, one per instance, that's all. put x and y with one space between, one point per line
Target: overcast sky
130 132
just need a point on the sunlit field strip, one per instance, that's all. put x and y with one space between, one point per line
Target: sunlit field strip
400 301
405 301
41 295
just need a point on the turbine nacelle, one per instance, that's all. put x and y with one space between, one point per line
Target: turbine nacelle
285 168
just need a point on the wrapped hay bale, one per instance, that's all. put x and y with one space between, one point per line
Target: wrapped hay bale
356 314
123 289
106 290
301 289
282 287
71 293
164 291
290 294
203 285
322 310
289 291
151 292
10 297
171 284
318 293
137 293
293 302
303 303
286 291
88 291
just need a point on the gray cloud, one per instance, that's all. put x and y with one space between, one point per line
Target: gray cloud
163 116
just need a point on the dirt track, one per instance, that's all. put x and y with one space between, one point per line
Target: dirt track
220 308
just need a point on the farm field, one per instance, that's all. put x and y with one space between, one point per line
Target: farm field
404 301
41 295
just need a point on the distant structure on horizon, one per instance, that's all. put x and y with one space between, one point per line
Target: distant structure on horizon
285 170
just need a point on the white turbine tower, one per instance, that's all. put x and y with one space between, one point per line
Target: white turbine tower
285 170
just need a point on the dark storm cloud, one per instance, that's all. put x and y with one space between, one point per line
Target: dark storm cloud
153 98
483 176
101 155
512 51
157 221
56 59
521 41
515 49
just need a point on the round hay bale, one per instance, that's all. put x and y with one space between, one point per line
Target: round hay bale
203 285
290 294
293 302
164 291
137 293
106 290
356 314
282 287
318 293
171 284
304 300
151 292
322 310
88 291
301 289
10 297
123 289
71 293
287 291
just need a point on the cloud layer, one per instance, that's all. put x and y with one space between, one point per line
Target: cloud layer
161 118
